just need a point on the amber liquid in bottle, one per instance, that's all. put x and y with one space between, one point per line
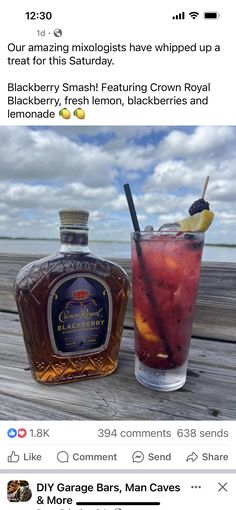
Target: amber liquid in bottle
72 308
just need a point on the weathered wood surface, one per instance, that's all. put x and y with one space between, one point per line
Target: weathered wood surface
209 393
215 316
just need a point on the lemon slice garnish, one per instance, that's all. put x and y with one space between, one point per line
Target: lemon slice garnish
199 222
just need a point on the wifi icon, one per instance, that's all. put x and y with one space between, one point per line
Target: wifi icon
194 14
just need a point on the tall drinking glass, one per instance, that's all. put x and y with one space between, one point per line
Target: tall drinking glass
165 274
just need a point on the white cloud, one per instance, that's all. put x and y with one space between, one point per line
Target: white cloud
43 170
36 154
169 175
205 139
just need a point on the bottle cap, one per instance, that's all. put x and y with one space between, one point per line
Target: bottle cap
75 218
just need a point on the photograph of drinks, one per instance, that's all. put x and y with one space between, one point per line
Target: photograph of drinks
118 273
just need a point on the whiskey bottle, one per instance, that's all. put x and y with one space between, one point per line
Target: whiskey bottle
72 307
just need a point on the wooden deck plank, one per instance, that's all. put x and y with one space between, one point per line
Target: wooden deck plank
208 394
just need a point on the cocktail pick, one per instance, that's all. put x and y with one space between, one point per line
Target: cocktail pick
205 186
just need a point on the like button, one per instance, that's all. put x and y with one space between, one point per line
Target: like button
13 457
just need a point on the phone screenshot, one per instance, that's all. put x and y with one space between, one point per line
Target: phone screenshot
118 255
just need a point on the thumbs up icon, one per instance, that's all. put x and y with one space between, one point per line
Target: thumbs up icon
13 457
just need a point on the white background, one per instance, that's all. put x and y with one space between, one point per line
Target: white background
186 498
123 438
139 22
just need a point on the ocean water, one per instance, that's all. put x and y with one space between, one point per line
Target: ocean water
113 249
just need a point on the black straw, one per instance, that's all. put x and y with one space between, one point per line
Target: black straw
131 207
146 277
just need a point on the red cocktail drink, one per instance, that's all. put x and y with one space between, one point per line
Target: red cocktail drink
165 274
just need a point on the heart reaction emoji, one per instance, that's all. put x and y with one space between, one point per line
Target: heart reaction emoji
22 433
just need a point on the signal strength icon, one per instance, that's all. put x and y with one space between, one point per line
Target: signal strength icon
194 14
181 15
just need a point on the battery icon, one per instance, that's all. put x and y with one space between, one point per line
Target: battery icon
211 15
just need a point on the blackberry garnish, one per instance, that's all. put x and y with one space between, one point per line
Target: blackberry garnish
198 206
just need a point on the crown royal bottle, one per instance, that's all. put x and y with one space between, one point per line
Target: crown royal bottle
72 307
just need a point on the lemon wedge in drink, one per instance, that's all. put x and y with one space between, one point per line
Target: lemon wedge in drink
144 328
199 222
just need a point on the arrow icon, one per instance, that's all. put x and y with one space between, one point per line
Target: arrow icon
193 457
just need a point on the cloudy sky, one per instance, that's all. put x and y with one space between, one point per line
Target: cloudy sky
45 169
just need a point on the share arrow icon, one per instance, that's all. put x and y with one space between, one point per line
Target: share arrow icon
193 457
